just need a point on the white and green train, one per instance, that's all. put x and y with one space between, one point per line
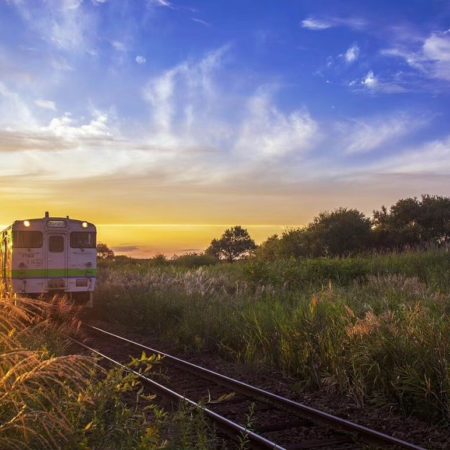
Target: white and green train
49 255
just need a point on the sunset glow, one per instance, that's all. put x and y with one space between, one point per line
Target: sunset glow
178 119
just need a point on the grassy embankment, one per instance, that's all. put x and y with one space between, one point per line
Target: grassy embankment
52 400
376 328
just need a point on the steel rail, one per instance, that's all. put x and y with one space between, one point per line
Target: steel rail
300 409
223 422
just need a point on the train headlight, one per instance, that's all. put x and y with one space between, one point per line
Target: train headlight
84 224
26 223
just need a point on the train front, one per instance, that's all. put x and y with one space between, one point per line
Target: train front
54 255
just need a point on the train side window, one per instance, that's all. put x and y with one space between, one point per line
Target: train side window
27 239
82 239
56 244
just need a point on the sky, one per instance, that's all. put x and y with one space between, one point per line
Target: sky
166 121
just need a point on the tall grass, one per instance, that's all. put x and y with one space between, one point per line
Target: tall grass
52 400
375 329
431 267
32 381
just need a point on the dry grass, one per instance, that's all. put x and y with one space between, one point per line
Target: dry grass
383 339
51 400
34 384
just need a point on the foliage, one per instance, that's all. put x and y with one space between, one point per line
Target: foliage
194 260
374 328
431 267
68 401
234 244
409 224
339 233
104 252
159 260
412 222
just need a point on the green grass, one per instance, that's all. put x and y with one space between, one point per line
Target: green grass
50 399
375 328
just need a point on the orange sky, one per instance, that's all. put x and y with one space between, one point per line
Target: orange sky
144 241
156 217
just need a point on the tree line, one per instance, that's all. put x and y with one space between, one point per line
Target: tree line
409 223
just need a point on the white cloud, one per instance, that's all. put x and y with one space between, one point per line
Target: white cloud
370 81
61 64
13 110
119 46
430 158
45 104
66 24
190 111
197 133
432 58
182 96
373 84
163 3
267 132
437 47
363 136
140 59
65 127
71 4
316 24
352 54
201 21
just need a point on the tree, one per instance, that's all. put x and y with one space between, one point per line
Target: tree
104 252
270 249
234 244
411 222
340 232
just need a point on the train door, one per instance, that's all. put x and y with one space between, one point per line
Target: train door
57 262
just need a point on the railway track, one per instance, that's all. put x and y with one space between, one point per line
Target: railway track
276 422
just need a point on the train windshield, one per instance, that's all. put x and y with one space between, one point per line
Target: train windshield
82 239
27 239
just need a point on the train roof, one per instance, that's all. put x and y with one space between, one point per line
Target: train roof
57 222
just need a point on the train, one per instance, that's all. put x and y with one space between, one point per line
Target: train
49 256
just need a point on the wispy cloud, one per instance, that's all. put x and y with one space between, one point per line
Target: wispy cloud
66 24
366 135
268 133
373 84
141 59
201 21
119 46
45 104
432 157
199 139
352 54
431 58
316 24
319 24
370 81
163 3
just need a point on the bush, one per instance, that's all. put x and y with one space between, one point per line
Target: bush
376 328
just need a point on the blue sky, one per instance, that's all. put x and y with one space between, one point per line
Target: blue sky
225 111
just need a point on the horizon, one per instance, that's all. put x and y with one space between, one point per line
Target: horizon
181 116
170 238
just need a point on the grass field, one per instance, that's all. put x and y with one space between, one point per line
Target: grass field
376 328
50 399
